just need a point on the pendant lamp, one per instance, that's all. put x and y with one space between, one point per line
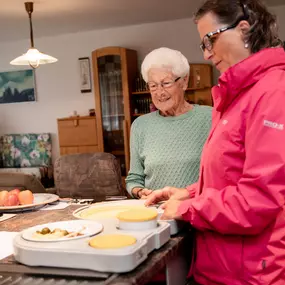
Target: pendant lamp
32 57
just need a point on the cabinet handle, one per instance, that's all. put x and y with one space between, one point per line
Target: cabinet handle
75 123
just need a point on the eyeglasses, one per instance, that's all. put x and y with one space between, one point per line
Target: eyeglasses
152 86
209 39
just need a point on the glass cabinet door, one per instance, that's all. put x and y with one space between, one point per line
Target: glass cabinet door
112 106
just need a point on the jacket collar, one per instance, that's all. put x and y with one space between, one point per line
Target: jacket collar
245 74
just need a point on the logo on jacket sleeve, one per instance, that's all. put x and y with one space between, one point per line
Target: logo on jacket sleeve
273 125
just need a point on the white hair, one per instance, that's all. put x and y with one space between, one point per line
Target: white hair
168 58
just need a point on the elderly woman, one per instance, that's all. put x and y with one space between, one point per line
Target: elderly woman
166 145
238 208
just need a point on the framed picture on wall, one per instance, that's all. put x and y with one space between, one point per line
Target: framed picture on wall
85 74
17 86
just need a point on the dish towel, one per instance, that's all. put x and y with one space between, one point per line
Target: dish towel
4 217
6 239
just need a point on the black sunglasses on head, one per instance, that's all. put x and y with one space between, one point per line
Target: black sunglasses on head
208 40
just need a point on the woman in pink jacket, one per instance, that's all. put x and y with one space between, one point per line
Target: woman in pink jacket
238 204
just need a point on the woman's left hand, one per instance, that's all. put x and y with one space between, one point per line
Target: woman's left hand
145 193
171 210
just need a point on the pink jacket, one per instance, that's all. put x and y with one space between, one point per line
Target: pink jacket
238 208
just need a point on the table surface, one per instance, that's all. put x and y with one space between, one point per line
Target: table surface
144 273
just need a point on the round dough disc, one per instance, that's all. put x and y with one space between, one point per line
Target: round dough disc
137 215
112 241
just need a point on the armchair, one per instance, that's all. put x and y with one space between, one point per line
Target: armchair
22 181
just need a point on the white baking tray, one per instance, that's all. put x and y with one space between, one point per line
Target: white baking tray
78 254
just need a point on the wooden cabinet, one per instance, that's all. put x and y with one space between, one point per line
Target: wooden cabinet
198 91
114 71
77 135
200 84
201 76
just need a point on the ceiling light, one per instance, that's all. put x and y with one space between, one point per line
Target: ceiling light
32 57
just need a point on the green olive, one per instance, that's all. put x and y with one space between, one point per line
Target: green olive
45 231
65 232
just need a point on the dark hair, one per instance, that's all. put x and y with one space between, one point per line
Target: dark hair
263 32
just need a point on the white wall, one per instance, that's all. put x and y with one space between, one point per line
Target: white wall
279 11
58 91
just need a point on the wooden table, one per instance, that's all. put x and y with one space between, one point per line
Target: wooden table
170 257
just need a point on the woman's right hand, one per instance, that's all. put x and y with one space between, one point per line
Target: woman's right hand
167 193
144 194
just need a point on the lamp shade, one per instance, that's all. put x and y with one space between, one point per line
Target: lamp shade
34 58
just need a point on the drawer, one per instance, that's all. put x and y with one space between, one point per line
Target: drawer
77 132
80 149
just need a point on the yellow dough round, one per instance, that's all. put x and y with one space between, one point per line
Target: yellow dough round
112 241
94 213
137 215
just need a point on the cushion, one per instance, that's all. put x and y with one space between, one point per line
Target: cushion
7 150
26 150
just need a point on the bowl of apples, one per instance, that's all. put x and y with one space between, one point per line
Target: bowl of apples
17 200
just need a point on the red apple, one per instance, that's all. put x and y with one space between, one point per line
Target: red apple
3 195
11 200
26 197
15 191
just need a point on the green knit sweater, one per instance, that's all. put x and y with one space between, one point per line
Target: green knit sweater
165 151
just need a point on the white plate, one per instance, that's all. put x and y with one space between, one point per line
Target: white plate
40 199
90 228
108 209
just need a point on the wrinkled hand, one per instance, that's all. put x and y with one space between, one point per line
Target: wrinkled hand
145 193
167 193
180 195
171 210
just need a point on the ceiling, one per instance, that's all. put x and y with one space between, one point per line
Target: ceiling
54 17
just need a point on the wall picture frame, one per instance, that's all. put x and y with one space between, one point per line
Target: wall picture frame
17 86
85 75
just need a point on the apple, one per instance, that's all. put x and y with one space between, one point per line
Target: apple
3 195
15 191
26 197
11 200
